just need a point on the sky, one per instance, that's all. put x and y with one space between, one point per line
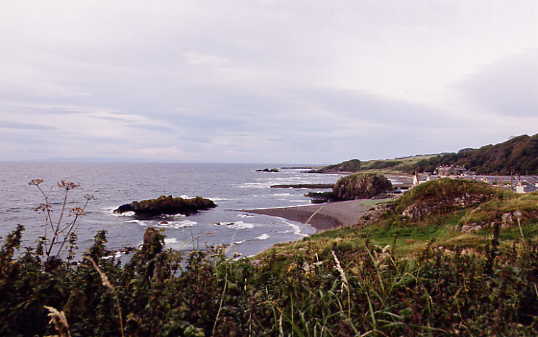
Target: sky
262 81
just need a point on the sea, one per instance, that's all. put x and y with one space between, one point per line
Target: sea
232 187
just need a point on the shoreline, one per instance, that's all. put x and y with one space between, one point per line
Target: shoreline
320 216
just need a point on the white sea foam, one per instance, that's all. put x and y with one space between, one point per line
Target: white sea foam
263 237
175 244
244 215
110 211
295 228
240 225
239 242
282 194
140 222
176 224
219 199
166 224
116 255
256 185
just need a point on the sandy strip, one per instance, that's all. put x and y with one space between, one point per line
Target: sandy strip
323 216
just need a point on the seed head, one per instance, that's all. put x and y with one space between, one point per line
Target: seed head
43 208
67 185
78 211
35 181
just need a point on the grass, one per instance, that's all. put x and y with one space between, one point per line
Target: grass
438 230
402 165
447 189
493 210
393 166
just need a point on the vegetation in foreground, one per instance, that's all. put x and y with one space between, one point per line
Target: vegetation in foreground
395 277
341 291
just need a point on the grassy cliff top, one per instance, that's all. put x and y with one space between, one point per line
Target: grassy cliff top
447 189
410 236
397 165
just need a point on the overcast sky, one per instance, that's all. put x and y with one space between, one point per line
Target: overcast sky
297 81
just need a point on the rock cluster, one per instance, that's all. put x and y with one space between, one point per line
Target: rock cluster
505 220
442 205
361 186
375 214
166 205
273 170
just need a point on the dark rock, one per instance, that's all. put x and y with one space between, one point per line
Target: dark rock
273 170
361 186
320 197
166 205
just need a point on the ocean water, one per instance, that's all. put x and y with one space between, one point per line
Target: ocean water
231 186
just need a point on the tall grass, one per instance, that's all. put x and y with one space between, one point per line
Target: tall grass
367 291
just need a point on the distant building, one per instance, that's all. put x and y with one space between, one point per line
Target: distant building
416 180
522 187
452 170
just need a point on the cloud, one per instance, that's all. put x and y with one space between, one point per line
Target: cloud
265 80
23 126
508 87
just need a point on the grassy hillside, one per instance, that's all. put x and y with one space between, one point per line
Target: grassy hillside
397 165
445 205
518 155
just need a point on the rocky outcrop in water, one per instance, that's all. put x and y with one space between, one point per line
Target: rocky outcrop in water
320 197
273 170
361 186
356 186
166 205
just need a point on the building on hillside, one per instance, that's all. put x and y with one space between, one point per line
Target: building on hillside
416 179
523 187
452 170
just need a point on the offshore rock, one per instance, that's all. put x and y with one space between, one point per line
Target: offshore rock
273 170
166 205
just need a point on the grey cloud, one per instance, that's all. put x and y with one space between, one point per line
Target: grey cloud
24 126
153 128
266 79
508 87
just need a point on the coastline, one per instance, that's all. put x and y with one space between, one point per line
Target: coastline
320 216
